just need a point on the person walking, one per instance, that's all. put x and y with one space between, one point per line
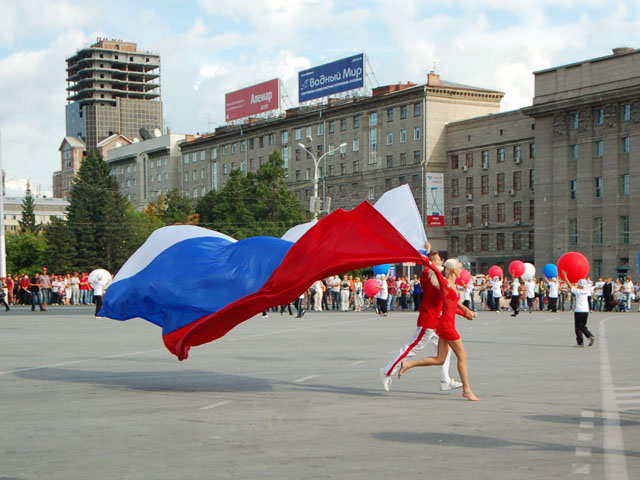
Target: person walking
496 293
581 313
554 287
36 294
515 296
446 328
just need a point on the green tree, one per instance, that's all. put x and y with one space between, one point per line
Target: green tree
253 204
28 221
59 250
97 218
25 252
177 208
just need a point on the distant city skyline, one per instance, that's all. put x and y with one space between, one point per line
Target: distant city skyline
209 48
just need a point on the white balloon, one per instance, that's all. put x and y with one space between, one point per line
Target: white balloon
529 271
100 275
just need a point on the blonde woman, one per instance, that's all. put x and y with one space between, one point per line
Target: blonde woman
358 298
446 328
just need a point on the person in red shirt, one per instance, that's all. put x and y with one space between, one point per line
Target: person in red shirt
10 288
84 288
446 328
429 312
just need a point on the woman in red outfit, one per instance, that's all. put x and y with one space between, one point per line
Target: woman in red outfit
446 328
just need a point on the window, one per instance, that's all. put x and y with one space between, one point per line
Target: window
500 155
531 239
417 107
260 142
233 166
532 209
500 182
573 152
403 112
516 241
243 146
403 135
416 133
599 148
500 216
417 157
356 144
225 169
372 194
271 139
624 230
574 121
597 231
403 159
194 175
373 145
469 160
356 166
214 153
573 232
455 216
624 185
390 138
532 150
517 152
469 186
626 112
195 193
455 244
485 157
573 189
297 133
308 174
356 121
285 160
599 116
517 180
343 124
389 161
469 215
343 169
330 172
320 129
597 268
598 185
414 180
373 119
225 150
332 127
234 148
390 115
484 213
517 211
252 163
185 158
202 174
468 241
484 184
454 187
484 242
532 179
285 137
626 144
387 184
454 162
251 143
500 241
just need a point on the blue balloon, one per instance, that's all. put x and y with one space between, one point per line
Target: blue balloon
381 269
550 270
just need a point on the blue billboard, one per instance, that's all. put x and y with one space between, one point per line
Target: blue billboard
339 76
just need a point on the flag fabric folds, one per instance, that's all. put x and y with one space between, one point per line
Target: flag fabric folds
203 283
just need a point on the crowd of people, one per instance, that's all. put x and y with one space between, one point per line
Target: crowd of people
43 288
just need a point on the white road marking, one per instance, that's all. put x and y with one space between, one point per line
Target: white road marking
586 424
585 437
615 464
624 389
304 379
214 405
359 362
581 468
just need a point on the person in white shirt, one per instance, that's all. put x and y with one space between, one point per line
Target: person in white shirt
530 287
496 292
382 295
581 313
515 296
598 295
554 287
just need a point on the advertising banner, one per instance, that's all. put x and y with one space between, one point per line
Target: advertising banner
435 199
252 100
330 78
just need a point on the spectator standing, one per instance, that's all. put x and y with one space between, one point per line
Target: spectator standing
45 287
75 288
36 294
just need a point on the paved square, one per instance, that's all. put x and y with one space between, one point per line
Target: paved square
281 398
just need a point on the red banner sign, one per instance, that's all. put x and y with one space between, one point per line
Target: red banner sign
435 220
252 100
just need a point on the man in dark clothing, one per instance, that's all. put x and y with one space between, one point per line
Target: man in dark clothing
36 294
607 294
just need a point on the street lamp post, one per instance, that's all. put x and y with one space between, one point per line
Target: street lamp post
316 163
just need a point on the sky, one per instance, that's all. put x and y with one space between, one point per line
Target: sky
212 47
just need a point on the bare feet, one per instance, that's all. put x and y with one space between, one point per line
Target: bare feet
403 368
470 396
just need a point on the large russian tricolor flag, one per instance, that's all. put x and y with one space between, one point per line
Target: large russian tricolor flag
198 284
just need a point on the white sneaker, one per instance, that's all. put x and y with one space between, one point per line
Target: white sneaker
386 380
450 385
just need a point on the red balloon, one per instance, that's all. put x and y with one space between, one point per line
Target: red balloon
495 271
516 268
464 278
574 264
371 287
